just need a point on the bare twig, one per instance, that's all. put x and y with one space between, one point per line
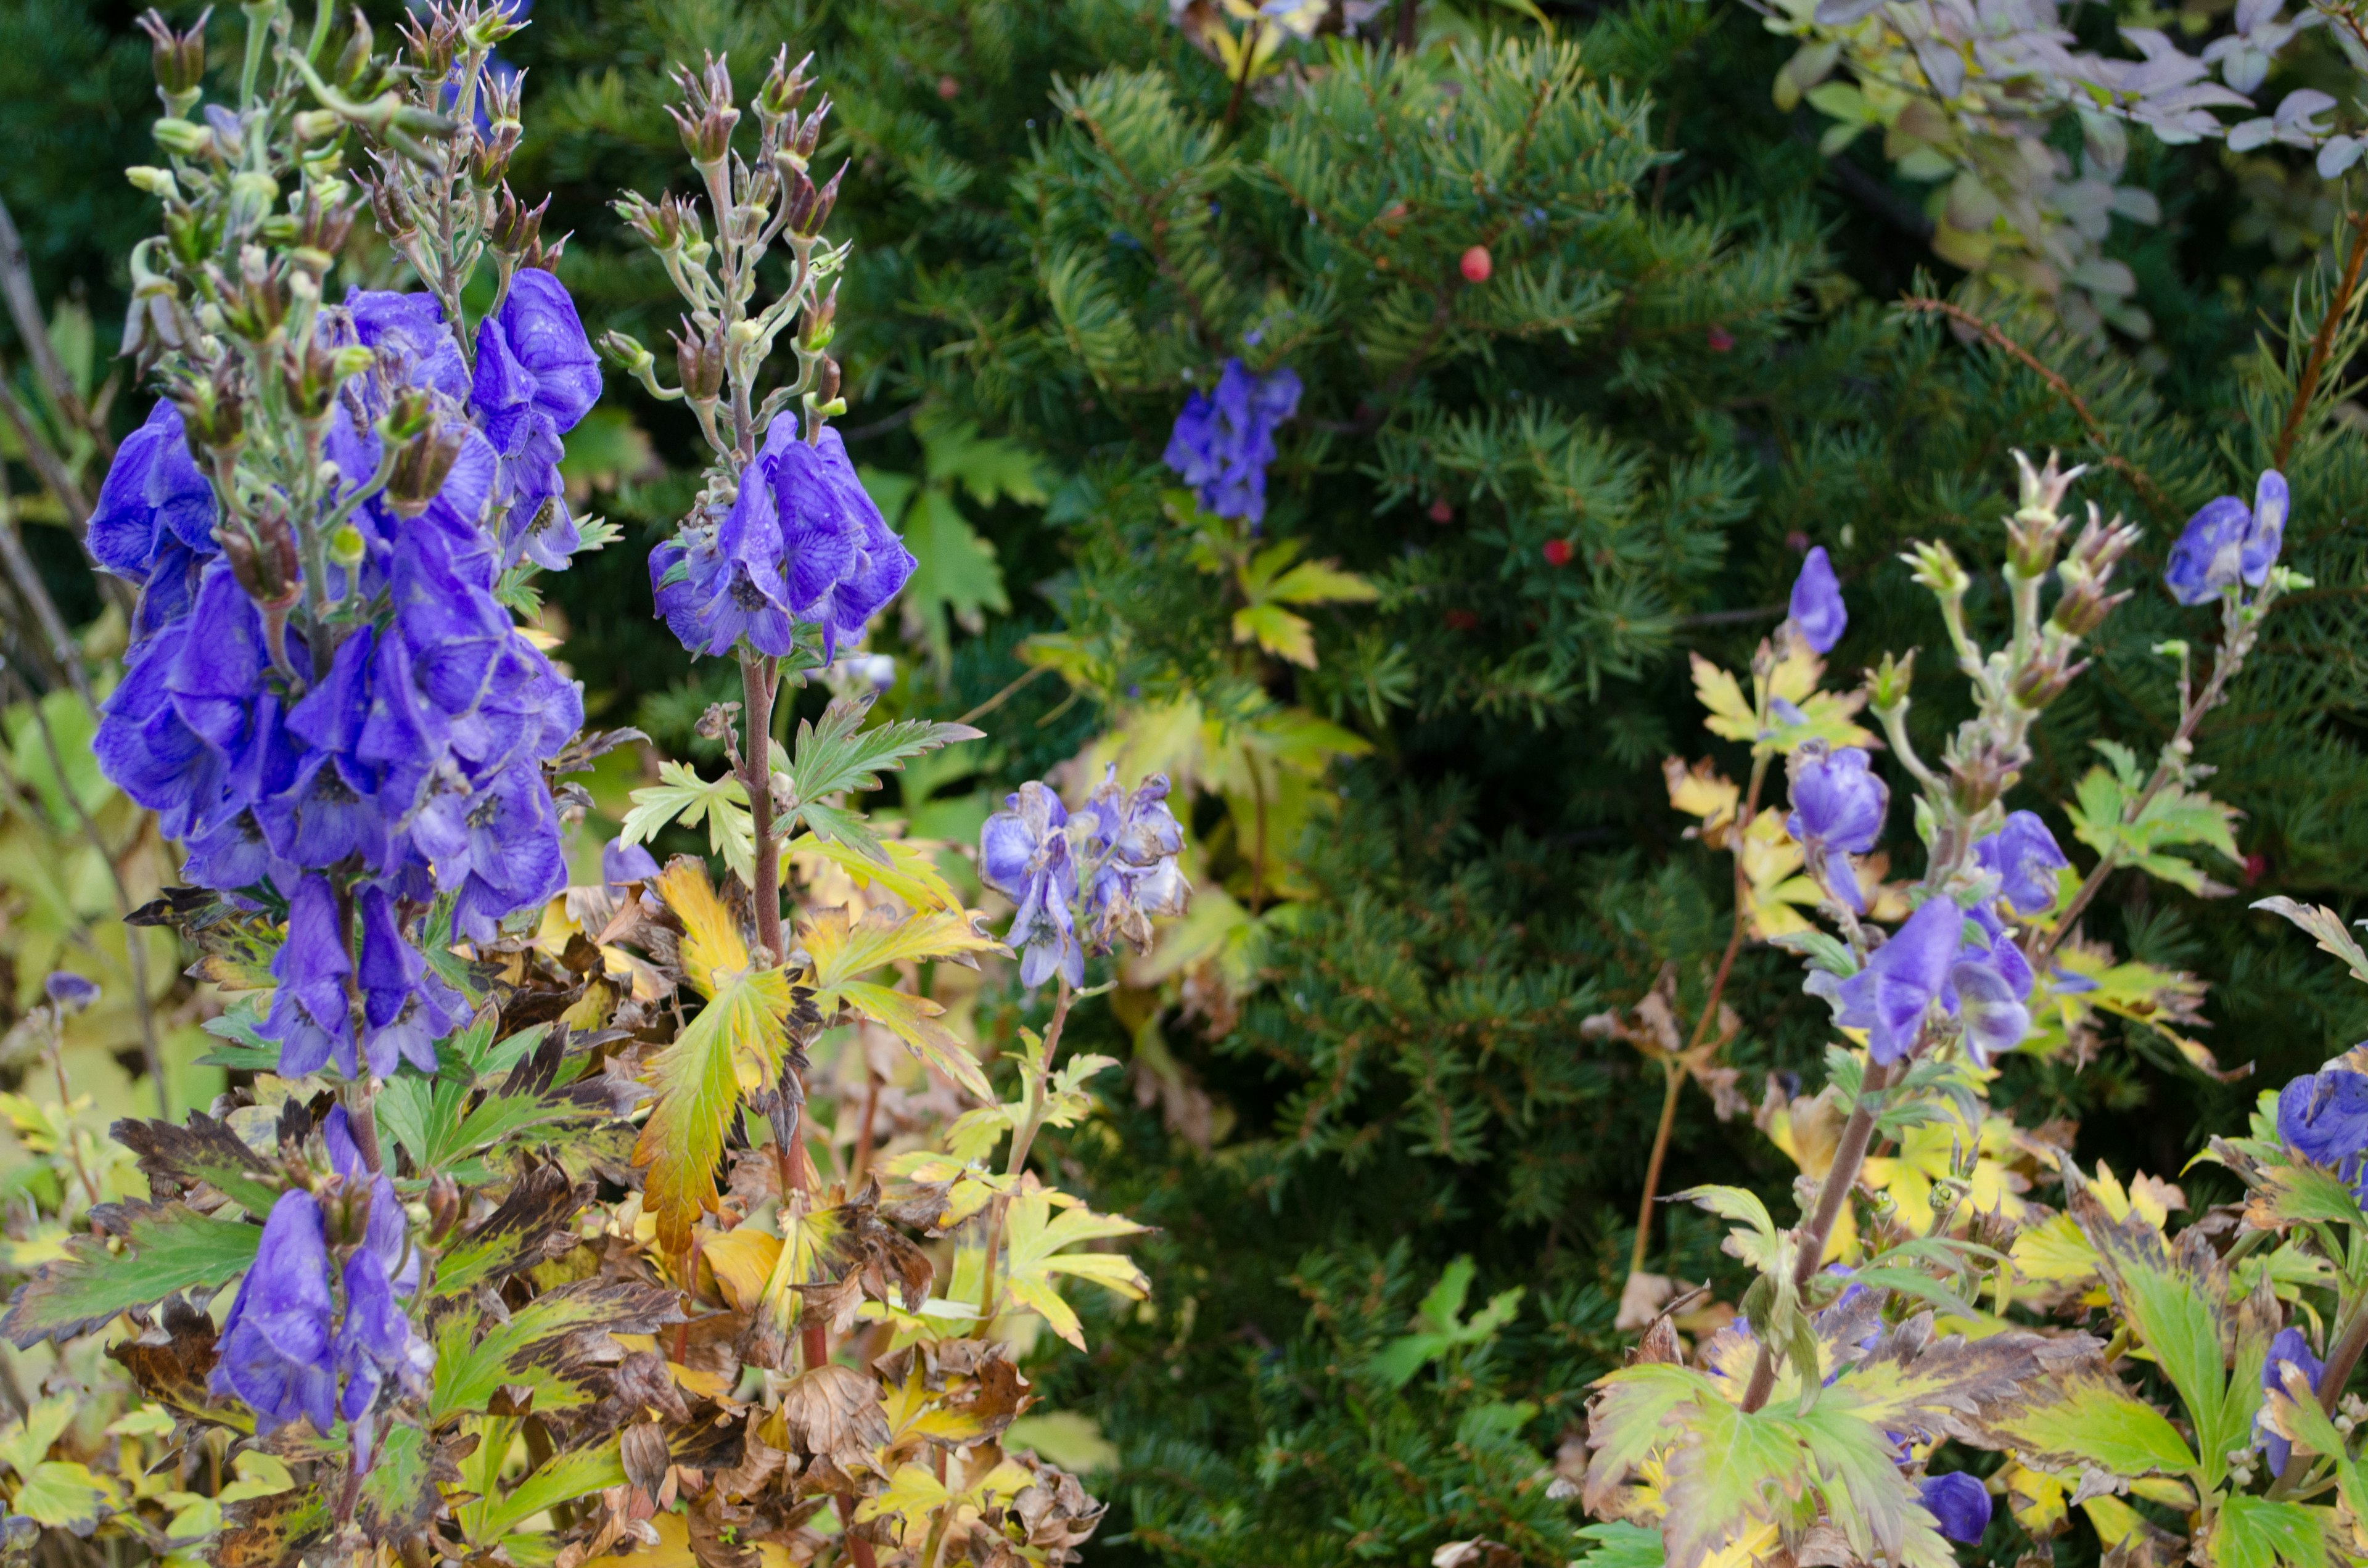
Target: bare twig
25 310
2322 340
44 459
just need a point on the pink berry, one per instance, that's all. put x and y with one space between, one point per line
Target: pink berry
1461 619
1440 511
1476 264
948 88
1720 339
1557 552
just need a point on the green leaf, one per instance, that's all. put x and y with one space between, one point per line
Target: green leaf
548 1346
1620 1544
835 753
2253 1532
2302 1195
168 1247
64 1496
565 1477
399 1495
2176 1305
542 1203
2082 1416
955 576
1756 1238
682 795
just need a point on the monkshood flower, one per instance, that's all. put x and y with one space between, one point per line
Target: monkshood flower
622 863
1023 853
311 1018
153 522
2323 1118
537 378
406 1007
274 1347
2024 857
2288 1349
1958 1503
68 992
1220 445
2228 542
376 1342
1126 861
1838 812
1817 612
1931 960
803 543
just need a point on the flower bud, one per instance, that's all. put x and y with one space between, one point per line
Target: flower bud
699 360
653 220
516 227
154 182
444 1208
798 193
2043 680
809 133
627 354
824 201
494 25
541 256
185 139
394 212
322 225
433 42
214 414
421 466
354 61
317 124
254 307
190 234
253 194
707 114
179 59
1887 684
826 382
785 85
263 558
346 545
309 381
408 412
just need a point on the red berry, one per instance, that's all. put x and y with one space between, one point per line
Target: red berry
1720 339
1476 264
1557 552
1460 620
1440 511
948 88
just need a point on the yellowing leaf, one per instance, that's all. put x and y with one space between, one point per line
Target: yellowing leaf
1730 714
1280 632
841 950
682 795
712 948
1321 583
914 1020
910 875
1702 791
742 1258
1034 1237
734 1045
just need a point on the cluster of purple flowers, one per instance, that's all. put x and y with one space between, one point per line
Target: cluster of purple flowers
1222 444
367 760
1083 879
2227 543
803 544
285 1350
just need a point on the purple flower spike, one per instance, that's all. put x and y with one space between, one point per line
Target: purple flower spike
537 378
2228 542
842 560
1222 444
1817 612
2288 1349
1958 1504
2024 857
276 1342
1905 977
1839 807
1023 853
1129 873
310 1017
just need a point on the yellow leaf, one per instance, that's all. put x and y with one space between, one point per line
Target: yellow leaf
1034 1237
742 1260
712 948
914 1020
912 1495
1701 792
1280 632
840 950
1319 583
1730 715
911 875
734 1045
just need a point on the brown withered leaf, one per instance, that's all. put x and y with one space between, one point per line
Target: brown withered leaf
538 1211
272 1532
642 1448
642 1383
758 1460
1909 1382
718 1532
204 1151
833 1412
1055 1515
171 1357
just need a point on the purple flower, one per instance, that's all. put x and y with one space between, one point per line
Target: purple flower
2024 857
2288 1349
497 847
1222 444
1023 853
1905 976
414 347
2323 1118
68 992
407 1008
2228 542
1124 848
155 497
622 863
1838 810
537 377
1988 986
310 1016
802 543
1817 612
274 1345
1958 1503
376 1341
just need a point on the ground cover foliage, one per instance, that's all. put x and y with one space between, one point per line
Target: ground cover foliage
1393 1174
